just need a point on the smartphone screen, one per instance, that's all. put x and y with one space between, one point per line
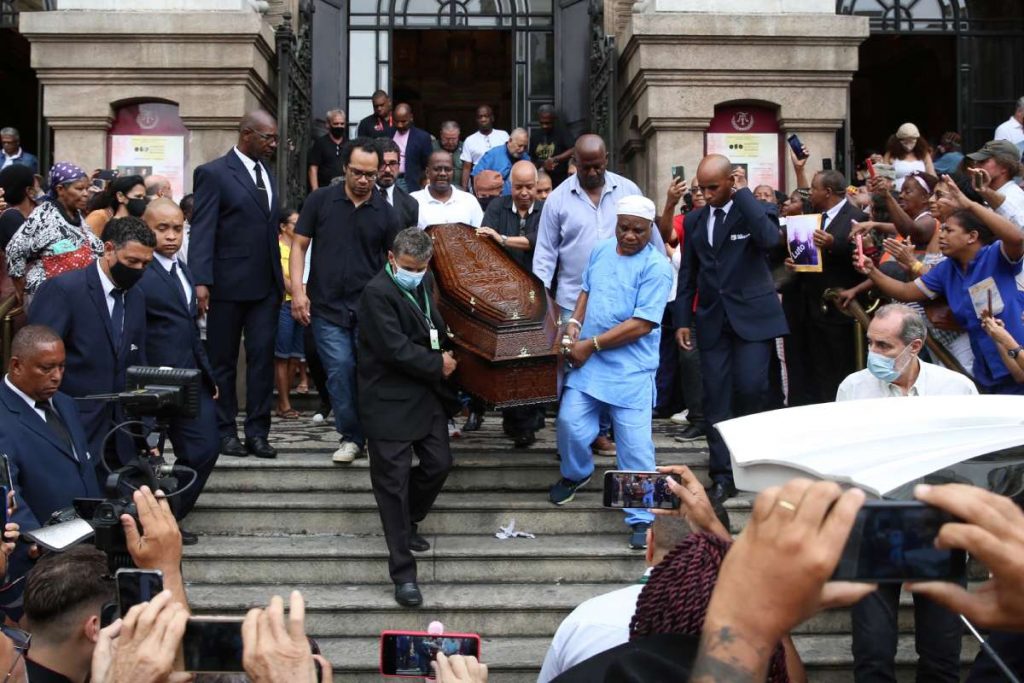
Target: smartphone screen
644 490
678 173
408 653
5 472
894 541
137 585
798 147
213 645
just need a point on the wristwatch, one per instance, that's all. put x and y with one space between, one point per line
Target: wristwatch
1013 353
504 238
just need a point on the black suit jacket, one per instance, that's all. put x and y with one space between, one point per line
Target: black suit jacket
801 296
417 153
731 276
172 334
408 209
233 247
400 380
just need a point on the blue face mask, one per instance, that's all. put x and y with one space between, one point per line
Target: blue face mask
406 279
883 367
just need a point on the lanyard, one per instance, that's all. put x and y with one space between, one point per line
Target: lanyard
408 294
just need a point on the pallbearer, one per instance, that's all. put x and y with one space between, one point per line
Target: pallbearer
614 355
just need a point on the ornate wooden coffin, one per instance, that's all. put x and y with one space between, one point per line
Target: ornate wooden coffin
499 316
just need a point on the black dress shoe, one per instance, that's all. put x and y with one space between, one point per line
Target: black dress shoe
408 594
691 433
719 492
473 422
259 447
187 537
417 543
230 445
524 439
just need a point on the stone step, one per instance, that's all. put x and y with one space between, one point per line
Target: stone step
452 513
312 470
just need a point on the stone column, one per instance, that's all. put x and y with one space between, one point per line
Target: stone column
681 58
214 61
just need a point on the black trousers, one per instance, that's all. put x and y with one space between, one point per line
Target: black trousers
196 444
691 382
405 493
225 323
819 356
937 638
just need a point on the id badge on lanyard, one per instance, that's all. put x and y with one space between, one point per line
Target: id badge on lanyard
435 340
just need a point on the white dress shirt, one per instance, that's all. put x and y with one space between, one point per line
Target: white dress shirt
1011 130
250 166
167 263
108 287
461 207
9 159
711 219
830 215
478 144
931 381
26 398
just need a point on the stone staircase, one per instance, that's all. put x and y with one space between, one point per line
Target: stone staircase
301 522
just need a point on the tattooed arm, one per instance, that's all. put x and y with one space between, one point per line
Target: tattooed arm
774 577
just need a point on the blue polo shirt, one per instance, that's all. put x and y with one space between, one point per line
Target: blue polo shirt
947 279
498 159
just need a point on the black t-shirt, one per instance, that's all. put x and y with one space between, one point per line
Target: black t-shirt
10 221
350 246
37 673
326 156
506 221
368 127
544 145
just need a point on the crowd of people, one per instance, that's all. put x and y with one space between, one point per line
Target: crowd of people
696 313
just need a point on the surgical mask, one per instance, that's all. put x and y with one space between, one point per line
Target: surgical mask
136 206
125 276
883 367
338 132
407 279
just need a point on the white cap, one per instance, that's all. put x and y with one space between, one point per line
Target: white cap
636 205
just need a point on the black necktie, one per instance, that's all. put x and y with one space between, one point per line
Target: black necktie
56 424
719 220
117 315
824 219
259 181
177 282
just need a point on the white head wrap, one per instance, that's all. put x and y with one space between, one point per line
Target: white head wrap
636 205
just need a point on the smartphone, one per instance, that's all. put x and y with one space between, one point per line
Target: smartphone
5 472
798 147
409 653
627 489
894 541
978 180
213 645
109 613
679 173
860 250
826 164
871 167
135 586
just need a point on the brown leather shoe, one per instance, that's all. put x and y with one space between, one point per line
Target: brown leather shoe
603 446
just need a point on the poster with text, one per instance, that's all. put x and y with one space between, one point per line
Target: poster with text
758 152
800 239
161 154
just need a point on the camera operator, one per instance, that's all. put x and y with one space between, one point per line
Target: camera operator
171 320
103 324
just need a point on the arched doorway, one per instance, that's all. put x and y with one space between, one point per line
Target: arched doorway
943 64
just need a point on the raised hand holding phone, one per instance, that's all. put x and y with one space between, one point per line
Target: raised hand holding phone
860 248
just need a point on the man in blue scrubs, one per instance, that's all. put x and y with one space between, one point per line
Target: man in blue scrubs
613 356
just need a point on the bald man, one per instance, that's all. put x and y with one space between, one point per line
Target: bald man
172 340
738 313
236 263
501 159
159 186
415 146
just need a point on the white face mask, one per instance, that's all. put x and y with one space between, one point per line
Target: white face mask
909 145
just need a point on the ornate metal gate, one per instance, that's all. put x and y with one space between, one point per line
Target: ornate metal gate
294 110
604 59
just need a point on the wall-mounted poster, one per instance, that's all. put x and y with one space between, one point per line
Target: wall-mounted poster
750 137
148 138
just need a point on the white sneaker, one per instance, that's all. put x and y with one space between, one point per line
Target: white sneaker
680 417
318 418
453 430
346 453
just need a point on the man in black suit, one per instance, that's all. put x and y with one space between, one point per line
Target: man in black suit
405 401
236 265
820 346
172 340
101 317
738 312
416 148
407 207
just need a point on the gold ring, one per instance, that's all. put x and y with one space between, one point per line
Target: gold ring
786 504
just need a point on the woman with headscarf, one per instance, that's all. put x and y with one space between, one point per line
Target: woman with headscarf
55 238
908 152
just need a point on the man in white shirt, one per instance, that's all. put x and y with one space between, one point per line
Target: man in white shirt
440 202
477 144
1013 128
1000 159
896 336
602 622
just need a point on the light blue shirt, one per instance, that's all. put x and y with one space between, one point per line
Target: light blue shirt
570 226
619 288
498 159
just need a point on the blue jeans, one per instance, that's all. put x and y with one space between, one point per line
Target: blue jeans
337 348
578 419
605 422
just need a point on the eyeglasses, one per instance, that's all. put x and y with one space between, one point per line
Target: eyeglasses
266 137
369 175
391 164
21 640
